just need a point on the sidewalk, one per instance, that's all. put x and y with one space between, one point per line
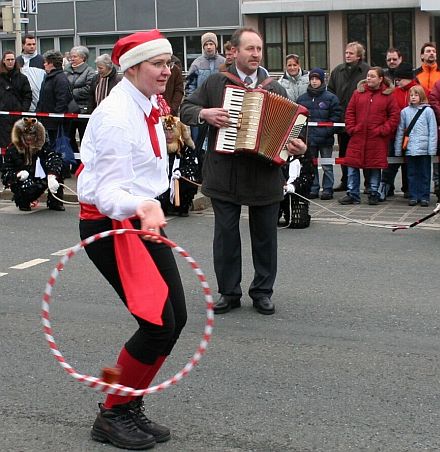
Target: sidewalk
200 202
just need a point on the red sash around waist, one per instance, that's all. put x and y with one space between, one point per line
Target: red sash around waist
145 290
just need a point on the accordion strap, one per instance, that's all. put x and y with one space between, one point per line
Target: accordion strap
238 81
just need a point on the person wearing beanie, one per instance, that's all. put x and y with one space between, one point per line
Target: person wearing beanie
209 62
323 106
206 64
125 169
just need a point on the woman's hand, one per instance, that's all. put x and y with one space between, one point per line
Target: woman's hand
152 218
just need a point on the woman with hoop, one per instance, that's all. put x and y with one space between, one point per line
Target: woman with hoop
125 169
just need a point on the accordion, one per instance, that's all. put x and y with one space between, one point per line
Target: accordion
261 123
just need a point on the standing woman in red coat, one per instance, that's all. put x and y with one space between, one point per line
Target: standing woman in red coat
371 120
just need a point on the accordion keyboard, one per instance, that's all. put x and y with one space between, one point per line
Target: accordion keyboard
227 136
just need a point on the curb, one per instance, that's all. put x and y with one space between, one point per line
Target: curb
200 202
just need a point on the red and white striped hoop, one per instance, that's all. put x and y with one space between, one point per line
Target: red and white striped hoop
113 388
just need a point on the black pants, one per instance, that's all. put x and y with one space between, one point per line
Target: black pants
150 340
227 247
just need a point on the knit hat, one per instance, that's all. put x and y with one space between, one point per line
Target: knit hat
404 70
138 47
317 72
209 37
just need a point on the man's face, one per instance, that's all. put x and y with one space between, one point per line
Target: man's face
29 46
429 55
249 53
351 55
9 61
229 55
150 77
209 48
393 60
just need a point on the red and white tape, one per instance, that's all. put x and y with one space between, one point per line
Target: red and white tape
113 388
45 115
340 160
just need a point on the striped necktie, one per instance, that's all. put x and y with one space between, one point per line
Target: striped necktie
248 80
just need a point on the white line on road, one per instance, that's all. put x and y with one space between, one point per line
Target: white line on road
3 274
29 264
60 252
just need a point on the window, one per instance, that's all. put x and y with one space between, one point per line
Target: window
378 31
46 44
274 58
305 36
317 42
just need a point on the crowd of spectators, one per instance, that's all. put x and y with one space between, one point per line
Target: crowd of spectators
58 83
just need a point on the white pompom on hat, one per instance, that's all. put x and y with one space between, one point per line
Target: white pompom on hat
138 47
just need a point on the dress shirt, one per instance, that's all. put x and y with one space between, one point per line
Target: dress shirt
120 168
253 76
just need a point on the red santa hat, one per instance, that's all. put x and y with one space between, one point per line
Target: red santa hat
138 47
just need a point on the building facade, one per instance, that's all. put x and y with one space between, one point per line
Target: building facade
316 31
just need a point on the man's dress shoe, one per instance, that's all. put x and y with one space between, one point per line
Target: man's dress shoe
225 303
264 305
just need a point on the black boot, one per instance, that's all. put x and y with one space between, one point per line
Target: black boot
117 426
159 432
55 204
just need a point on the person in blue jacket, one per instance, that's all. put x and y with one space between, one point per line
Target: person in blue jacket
323 106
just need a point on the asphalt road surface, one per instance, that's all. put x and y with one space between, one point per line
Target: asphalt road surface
349 361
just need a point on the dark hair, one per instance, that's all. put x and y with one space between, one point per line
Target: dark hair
236 36
379 71
55 57
2 65
394 50
427 44
292 56
27 36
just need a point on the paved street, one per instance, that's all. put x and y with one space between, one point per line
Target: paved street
349 361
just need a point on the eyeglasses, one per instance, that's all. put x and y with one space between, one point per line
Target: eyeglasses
161 64
392 59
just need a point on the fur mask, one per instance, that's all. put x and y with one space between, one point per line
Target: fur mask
177 134
28 136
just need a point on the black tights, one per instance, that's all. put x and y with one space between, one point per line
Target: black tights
150 340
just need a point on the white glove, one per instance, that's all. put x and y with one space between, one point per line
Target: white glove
437 208
52 183
22 175
289 188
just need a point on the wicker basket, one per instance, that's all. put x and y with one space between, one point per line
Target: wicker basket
300 217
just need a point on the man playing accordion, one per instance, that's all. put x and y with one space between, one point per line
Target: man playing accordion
232 180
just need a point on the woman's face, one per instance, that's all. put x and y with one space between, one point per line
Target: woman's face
76 59
373 79
292 67
48 66
102 69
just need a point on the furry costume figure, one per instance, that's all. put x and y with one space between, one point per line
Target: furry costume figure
182 162
28 162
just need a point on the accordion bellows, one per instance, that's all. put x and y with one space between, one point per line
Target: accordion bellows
261 123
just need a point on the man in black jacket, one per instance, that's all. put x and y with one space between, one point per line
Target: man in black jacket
343 82
233 180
